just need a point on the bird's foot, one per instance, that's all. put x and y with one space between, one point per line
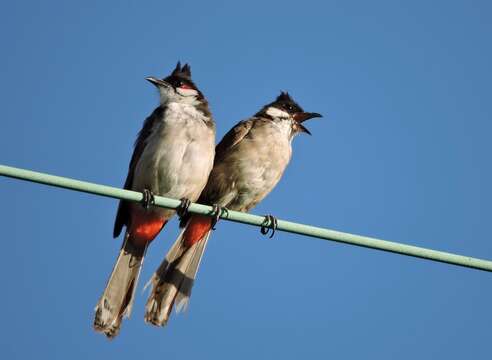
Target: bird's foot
182 209
270 223
147 199
216 212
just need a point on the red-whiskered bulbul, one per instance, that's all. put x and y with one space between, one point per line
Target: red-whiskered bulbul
173 157
249 162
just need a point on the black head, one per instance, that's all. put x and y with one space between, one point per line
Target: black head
285 107
179 80
285 103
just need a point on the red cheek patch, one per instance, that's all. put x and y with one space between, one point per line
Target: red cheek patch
185 86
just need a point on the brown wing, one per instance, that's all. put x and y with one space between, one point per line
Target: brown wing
123 215
233 137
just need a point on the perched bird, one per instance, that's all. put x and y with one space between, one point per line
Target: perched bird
173 157
249 162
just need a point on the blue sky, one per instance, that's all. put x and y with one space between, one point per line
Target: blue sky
402 153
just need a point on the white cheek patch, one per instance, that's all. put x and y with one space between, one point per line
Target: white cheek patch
167 94
187 92
277 113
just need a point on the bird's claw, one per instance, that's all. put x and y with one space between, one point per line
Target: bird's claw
182 209
270 223
216 212
147 199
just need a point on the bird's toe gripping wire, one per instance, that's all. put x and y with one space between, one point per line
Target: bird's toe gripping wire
182 209
147 199
216 212
270 223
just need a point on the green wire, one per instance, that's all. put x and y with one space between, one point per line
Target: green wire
245 218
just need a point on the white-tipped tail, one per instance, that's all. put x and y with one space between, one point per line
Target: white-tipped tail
117 299
173 280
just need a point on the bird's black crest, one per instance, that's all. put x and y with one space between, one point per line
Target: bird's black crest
183 72
284 102
186 70
284 97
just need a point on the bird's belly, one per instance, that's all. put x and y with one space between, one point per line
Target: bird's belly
176 164
253 190
185 172
258 175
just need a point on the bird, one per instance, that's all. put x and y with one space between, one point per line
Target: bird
249 162
173 156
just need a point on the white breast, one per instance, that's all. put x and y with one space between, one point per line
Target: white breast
178 156
255 165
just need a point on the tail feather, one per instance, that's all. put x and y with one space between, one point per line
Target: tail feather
173 281
117 299
195 258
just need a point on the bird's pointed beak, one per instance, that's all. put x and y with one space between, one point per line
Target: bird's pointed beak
303 116
302 128
157 82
